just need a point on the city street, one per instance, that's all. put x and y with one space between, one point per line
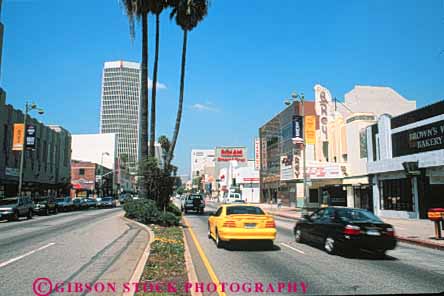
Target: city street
407 269
88 246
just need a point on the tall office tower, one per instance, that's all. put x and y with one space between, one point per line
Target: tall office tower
1 37
120 107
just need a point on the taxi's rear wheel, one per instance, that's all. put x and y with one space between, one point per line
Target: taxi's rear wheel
219 242
209 231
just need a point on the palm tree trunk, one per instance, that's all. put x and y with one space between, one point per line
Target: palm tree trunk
144 99
180 107
153 95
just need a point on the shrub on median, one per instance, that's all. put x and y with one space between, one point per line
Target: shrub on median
145 211
174 209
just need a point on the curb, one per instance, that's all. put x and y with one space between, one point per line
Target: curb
192 276
412 241
421 243
283 215
138 271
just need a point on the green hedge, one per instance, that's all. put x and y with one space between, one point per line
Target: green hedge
145 211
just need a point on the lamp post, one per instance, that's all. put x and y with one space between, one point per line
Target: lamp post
28 107
101 172
301 98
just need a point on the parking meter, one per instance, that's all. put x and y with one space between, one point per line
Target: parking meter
437 215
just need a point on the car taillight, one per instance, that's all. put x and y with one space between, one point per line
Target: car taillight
352 230
390 231
229 224
270 224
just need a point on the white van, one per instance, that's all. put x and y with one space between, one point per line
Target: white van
231 197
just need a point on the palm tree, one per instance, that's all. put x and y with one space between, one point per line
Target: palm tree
139 9
156 7
188 14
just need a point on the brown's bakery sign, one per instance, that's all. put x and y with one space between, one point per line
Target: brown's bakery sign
421 139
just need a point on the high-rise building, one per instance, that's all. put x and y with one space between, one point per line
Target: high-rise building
120 107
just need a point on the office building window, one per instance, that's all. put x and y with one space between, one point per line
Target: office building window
81 172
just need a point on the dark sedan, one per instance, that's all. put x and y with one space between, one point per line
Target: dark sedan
346 229
91 202
45 205
106 202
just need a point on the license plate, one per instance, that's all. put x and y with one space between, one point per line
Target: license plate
250 225
373 232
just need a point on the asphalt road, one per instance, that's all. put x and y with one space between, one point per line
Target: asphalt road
69 247
405 270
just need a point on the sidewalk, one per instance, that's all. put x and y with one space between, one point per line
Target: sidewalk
420 232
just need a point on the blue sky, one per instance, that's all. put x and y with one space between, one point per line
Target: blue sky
243 60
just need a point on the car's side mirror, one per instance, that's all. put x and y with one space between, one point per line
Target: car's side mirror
306 217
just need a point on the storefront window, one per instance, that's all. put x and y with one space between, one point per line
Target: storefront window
396 195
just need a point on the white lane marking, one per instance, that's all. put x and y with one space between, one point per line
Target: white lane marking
25 255
294 249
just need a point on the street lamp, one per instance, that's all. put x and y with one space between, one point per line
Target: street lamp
101 172
28 108
301 98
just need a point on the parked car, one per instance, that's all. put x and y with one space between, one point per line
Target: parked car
15 207
44 205
65 204
80 204
107 202
92 203
241 222
346 229
123 198
193 202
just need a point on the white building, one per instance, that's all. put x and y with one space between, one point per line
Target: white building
120 107
248 180
200 159
406 162
96 148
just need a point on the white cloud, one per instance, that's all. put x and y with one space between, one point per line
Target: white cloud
159 85
204 107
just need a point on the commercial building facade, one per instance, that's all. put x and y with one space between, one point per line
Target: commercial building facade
336 153
406 162
46 169
120 107
86 179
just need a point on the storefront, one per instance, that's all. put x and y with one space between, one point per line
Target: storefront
406 162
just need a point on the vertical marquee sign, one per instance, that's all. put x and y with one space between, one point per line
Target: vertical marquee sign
323 102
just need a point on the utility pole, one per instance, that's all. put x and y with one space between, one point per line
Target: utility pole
304 164
28 108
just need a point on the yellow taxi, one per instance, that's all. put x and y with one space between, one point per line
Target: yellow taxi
241 222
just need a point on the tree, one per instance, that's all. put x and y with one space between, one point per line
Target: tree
139 9
156 7
188 14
